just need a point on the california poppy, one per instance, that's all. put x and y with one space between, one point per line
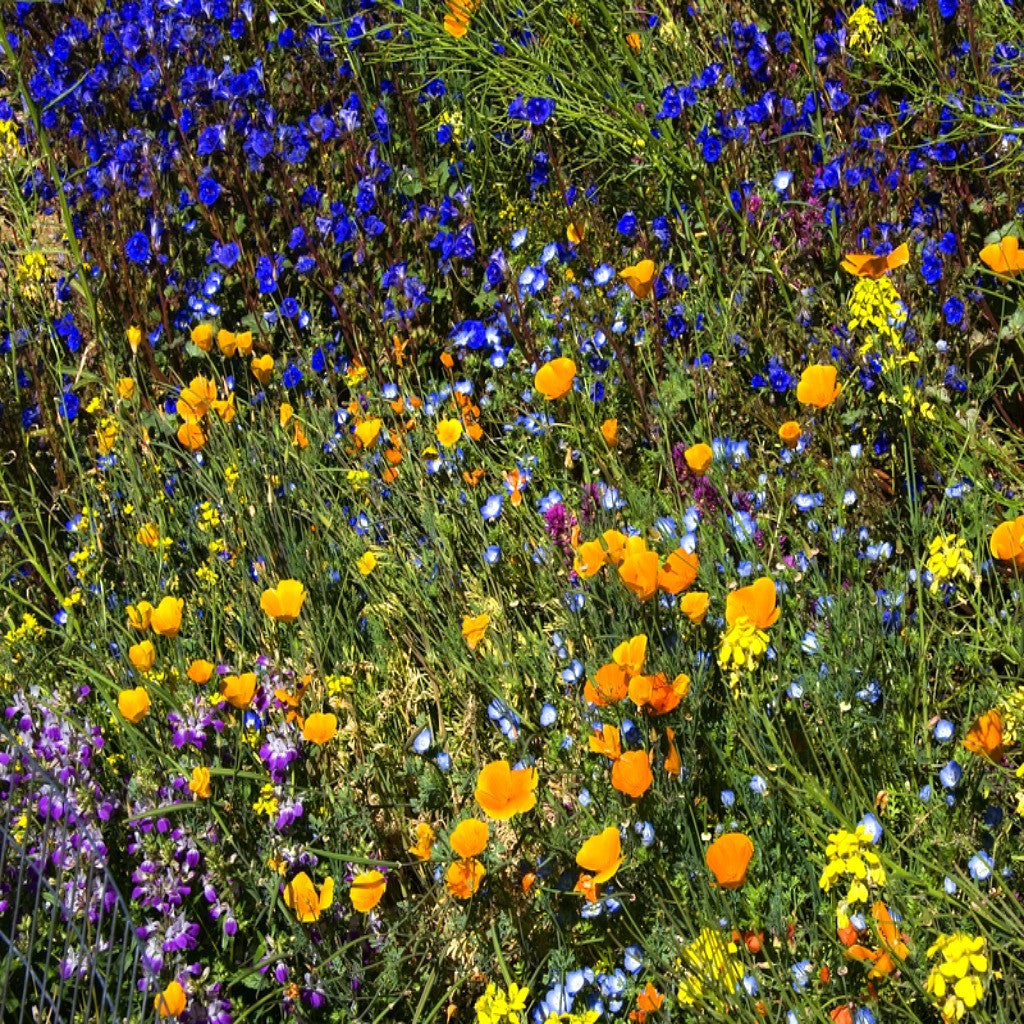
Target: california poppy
202 336
818 386
448 432
229 343
368 431
320 727
639 572
656 695
469 838
673 762
200 670
756 603
301 896
631 654
284 602
262 368
639 277
171 1001
695 606
678 571
606 740
134 704
1007 542
985 736
698 458
789 433
615 546
866 264
610 684
140 615
610 432
728 858
424 844
554 379
648 1001
504 792
601 855
1004 257
893 948
367 890
238 690
192 436
474 629
590 559
464 878
200 782
631 774
148 535
142 655
166 617
575 232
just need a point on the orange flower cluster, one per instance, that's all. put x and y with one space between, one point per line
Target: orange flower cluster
885 957
624 676
640 569
194 404
456 21
1007 542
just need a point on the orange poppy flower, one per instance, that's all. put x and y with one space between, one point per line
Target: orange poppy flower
601 855
609 685
818 386
229 343
1004 257
200 782
639 572
469 838
142 655
631 773
586 887
789 433
631 653
554 379
472 476
171 1001
202 336
134 704
866 264
140 615
424 844
301 896
474 628
504 792
606 740
191 436
610 432
1007 542
985 737
656 695
678 572
615 546
368 431
199 671
841 1014
575 233
698 458
648 1001
464 878
320 727
728 858
367 890
166 617
756 603
639 277
262 368
695 606
148 535
673 762
590 559
284 602
885 959
238 690
633 41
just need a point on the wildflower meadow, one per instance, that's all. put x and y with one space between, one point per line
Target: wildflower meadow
512 513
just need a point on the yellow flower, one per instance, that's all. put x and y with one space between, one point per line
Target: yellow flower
448 432
863 29
125 388
949 559
366 563
200 782
712 969
957 980
301 896
285 601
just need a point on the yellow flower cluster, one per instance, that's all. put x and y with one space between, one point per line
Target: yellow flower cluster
742 647
712 968
862 29
29 629
876 309
1011 710
911 406
32 273
267 803
9 144
496 1006
949 559
850 856
957 980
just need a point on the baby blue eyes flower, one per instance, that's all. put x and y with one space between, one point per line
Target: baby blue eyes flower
491 508
548 716
424 741
728 798
633 959
645 830
444 760
492 554
944 730
518 238
782 180
951 775
980 866
950 886
759 786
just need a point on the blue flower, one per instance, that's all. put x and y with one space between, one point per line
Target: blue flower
951 775
944 730
980 866
539 109
491 508
137 248
209 190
